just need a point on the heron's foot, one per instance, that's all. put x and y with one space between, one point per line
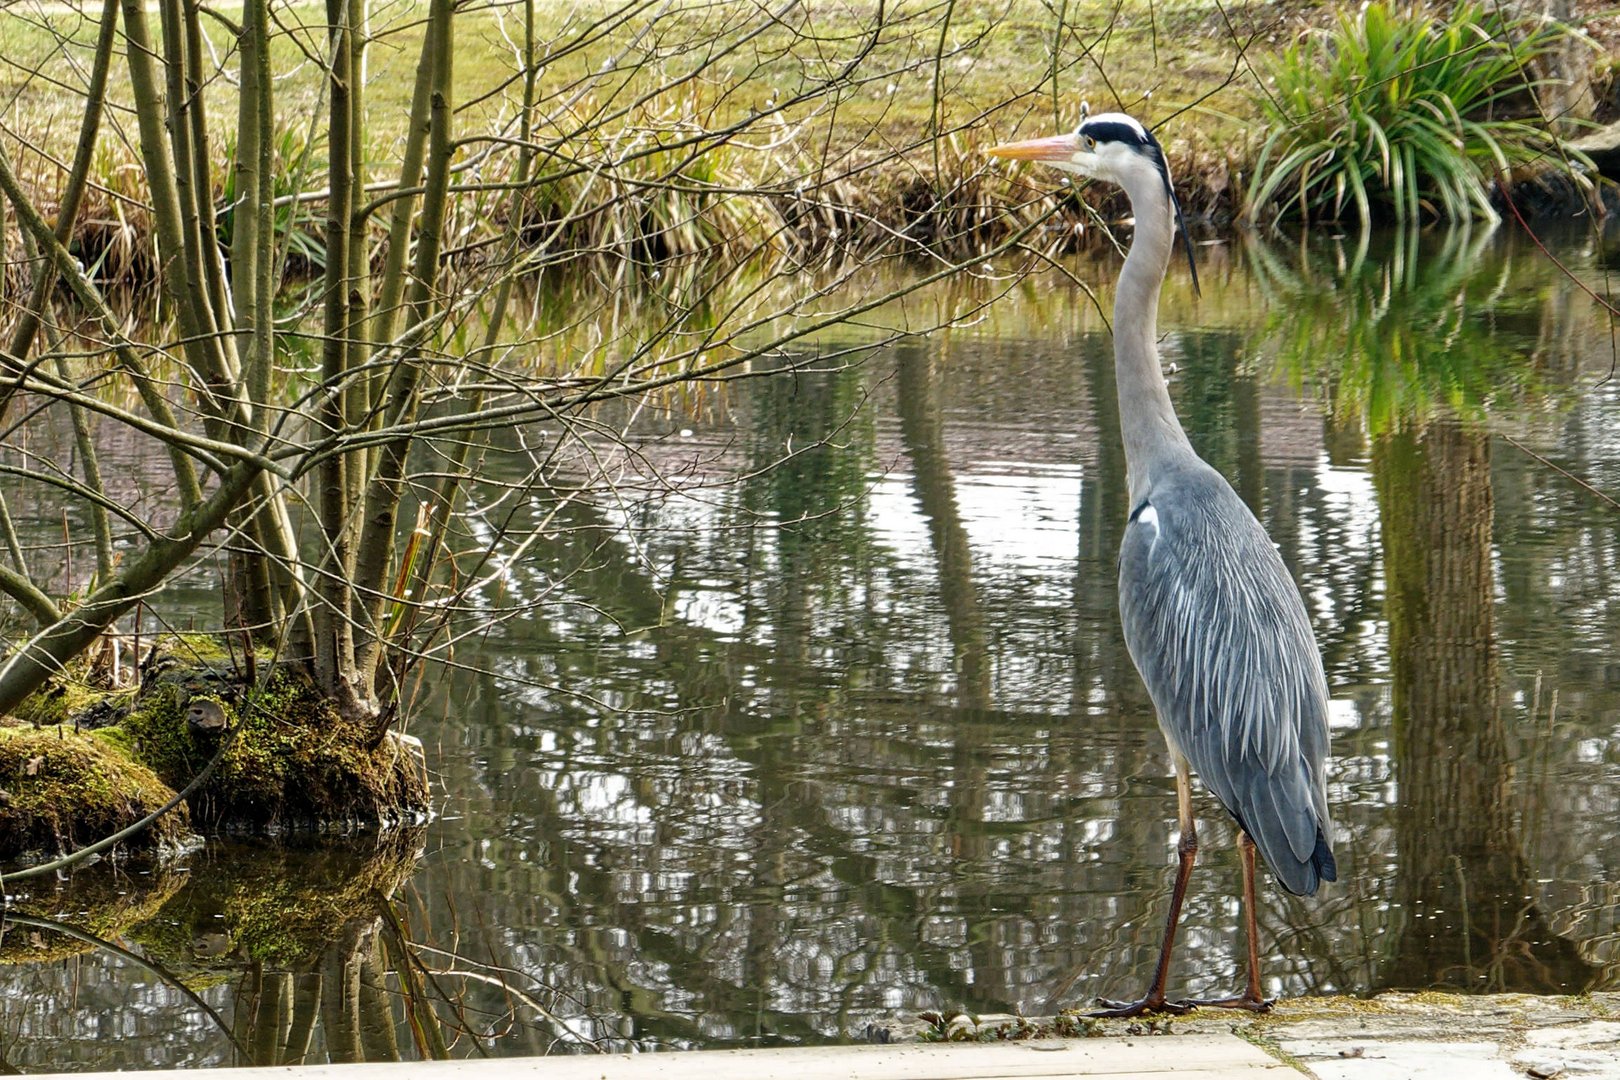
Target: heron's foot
1236 1001
1148 1006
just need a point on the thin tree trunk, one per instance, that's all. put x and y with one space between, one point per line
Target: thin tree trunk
210 258
68 269
334 639
67 212
90 465
391 290
376 546
358 271
164 115
253 600
448 492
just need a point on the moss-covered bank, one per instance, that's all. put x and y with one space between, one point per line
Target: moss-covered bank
62 789
80 764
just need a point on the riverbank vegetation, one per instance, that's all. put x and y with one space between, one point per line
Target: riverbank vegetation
283 281
335 352
708 130
1399 114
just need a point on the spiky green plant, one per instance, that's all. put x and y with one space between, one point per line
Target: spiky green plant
1394 113
297 224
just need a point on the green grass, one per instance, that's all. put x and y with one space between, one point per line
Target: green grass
895 149
999 64
1387 115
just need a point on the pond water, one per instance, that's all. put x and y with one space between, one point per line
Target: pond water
872 744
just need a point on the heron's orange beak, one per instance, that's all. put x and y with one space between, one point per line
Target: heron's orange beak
1052 148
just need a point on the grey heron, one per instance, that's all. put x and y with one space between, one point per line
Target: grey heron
1212 619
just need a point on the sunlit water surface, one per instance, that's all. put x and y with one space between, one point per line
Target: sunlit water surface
873 745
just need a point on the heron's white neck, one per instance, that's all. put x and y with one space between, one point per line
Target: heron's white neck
1152 434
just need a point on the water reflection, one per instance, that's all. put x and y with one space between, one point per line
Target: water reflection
1471 918
243 955
922 434
1401 327
768 761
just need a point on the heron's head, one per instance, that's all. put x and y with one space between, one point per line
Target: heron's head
1112 147
1109 146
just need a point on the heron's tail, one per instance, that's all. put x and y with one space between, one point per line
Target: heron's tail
1304 878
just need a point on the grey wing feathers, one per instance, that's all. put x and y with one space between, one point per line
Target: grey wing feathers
1219 633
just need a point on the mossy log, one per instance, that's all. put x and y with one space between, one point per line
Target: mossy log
82 764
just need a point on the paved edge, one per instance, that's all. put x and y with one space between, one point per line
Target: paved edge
1205 1056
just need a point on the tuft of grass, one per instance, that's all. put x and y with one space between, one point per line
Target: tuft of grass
300 233
1394 113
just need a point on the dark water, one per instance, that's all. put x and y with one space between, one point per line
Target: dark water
872 743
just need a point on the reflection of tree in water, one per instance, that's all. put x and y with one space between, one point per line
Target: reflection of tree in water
733 944
773 825
1464 885
878 829
815 840
922 429
809 444
1220 408
1406 334
791 819
277 953
1401 338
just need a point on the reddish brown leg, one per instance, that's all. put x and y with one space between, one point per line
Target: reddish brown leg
1251 998
1187 851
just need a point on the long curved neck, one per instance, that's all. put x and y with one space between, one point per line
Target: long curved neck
1153 435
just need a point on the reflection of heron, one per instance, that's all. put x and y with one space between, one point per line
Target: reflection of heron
1211 617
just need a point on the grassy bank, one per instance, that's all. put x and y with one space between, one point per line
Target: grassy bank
666 134
713 128
929 68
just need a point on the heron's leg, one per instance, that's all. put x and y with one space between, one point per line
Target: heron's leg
1186 850
1251 998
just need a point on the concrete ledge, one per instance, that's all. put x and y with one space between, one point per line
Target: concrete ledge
1189 1057
1395 1036
1391 1037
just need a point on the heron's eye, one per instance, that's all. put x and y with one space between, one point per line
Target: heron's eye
1087 142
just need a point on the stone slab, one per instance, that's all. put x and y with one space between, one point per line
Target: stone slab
1192 1057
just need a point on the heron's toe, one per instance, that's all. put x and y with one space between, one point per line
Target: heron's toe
1141 1007
1236 1001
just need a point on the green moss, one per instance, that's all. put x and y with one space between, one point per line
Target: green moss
117 738
1296 1008
59 701
62 789
203 649
293 762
